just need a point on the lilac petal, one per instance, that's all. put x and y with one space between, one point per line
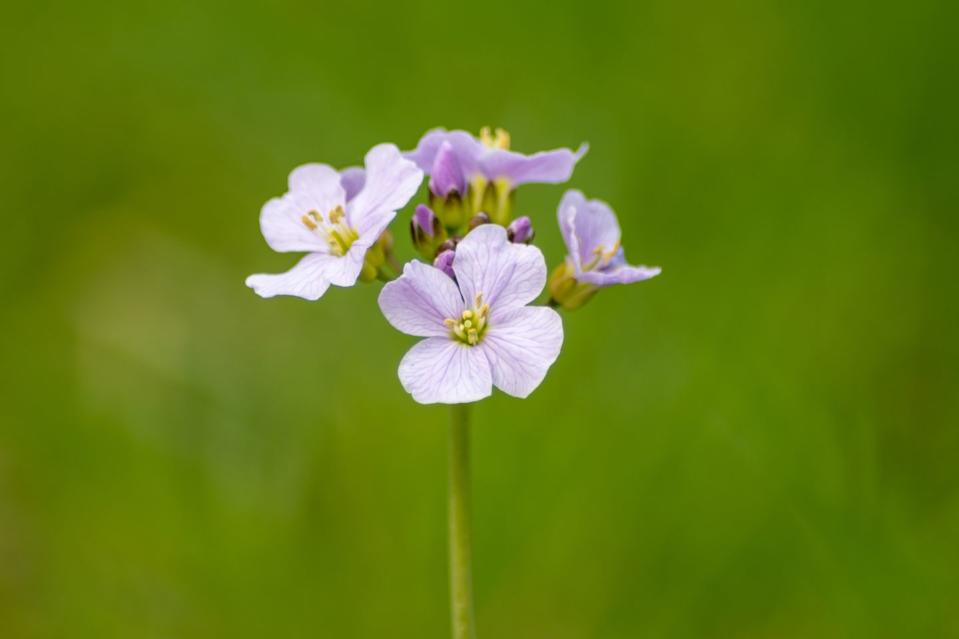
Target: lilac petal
521 345
466 148
313 187
588 226
391 180
309 279
507 275
281 222
446 175
444 262
551 167
624 274
420 299
439 370
352 180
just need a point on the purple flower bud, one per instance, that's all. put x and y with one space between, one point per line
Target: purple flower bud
447 174
450 244
520 231
478 219
444 262
424 219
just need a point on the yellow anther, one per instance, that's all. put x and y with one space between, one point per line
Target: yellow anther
337 214
449 323
467 314
501 141
310 224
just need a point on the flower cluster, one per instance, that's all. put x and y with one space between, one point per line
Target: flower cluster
471 299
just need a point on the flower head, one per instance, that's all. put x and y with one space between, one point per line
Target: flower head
480 331
486 168
595 255
335 218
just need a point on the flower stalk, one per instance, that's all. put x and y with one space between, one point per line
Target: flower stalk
460 530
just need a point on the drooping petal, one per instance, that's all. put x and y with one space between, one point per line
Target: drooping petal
420 299
551 167
506 274
352 180
309 279
466 148
313 188
592 227
521 345
447 175
619 274
391 180
439 370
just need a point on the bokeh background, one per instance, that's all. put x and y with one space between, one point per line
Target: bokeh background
762 442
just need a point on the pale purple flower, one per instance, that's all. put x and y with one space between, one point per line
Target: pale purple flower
479 330
592 237
334 217
441 153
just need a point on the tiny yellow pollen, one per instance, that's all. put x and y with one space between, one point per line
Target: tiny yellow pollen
337 214
449 323
310 224
467 314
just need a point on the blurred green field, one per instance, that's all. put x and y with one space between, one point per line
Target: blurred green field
762 442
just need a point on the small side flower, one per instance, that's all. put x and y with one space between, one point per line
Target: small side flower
335 218
595 257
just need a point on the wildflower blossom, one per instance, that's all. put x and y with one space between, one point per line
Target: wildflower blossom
479 330
335 218
484 171
595 255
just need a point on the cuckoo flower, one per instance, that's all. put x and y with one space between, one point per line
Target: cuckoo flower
486 167
335 218
596 257
479 330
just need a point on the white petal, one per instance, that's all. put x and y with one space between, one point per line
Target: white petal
439 370
391 180
508 275
313 187
420 299
521 345
309 279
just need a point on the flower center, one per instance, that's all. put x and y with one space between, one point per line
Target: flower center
501 141
602 257
471 325
334 228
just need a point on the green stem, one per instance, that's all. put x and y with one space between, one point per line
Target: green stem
461 572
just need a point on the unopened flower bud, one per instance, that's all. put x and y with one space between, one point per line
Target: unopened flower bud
478 219
449 245
520 231
426 230
444 262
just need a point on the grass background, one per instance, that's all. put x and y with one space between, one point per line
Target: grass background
762 442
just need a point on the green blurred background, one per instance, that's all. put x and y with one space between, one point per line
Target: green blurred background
762 442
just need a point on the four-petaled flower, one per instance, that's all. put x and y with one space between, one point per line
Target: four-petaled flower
335 218
480 331
592 237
